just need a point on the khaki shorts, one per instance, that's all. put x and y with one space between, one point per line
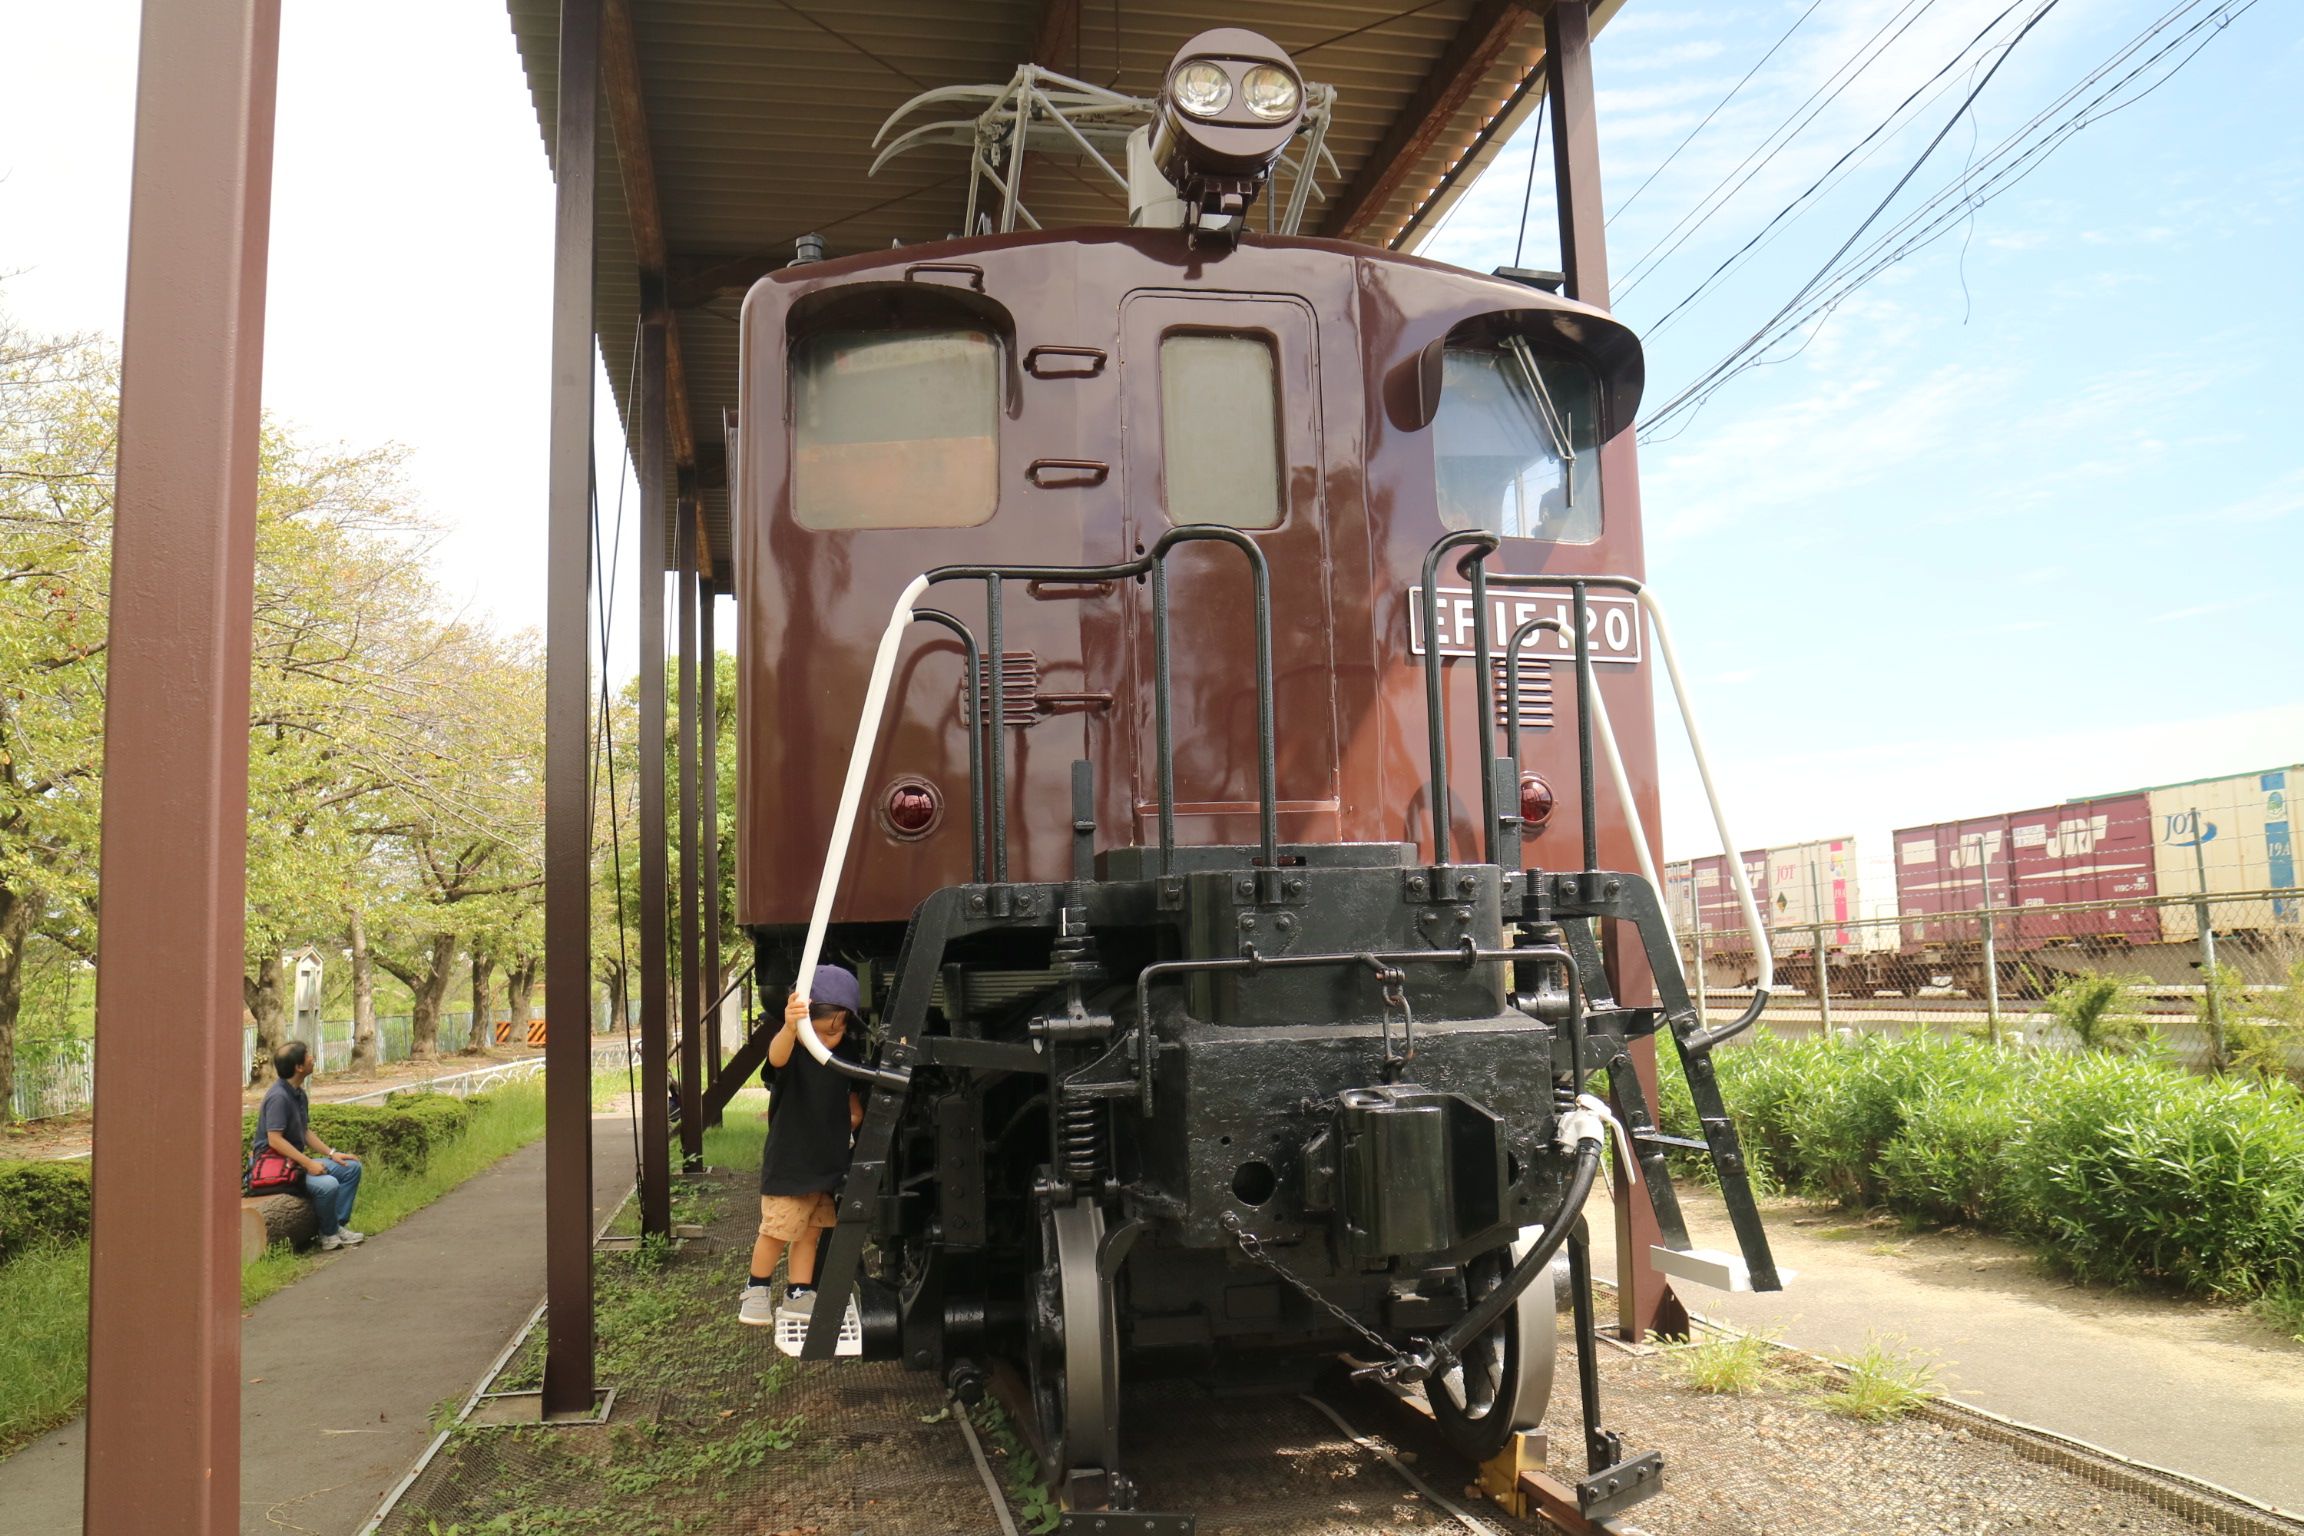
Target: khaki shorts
788 1218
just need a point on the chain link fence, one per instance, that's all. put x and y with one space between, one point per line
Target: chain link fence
2206 974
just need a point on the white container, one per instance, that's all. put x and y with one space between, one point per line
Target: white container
1816 882
2238 831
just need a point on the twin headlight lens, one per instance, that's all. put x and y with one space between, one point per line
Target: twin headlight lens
1204 89
1272 94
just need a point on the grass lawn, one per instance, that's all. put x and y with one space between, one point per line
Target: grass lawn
44 1293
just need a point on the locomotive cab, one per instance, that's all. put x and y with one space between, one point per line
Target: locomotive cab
1221 1024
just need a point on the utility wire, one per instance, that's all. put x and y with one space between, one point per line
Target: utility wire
1932 220
1878 208
1717 108
1790 209
1866 55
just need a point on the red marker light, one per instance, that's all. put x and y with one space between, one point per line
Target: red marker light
913 807
1535 802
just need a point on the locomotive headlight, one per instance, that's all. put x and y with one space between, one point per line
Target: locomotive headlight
1202 88
1232 104
1271 93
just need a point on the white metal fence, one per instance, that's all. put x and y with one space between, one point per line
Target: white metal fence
57 1076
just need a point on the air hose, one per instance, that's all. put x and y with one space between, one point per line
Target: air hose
1585 1129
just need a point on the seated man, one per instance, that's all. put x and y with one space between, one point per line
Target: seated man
284 1123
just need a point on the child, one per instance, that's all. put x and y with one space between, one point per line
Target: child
812 1111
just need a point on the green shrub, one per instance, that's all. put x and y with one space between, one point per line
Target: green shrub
399 1133
1950 1161
42 1202
2137 1172
2105 1013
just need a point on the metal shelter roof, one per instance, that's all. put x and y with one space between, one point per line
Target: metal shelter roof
736 126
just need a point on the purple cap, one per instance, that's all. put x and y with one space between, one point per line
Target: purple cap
836 985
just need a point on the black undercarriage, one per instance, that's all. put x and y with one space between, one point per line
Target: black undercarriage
1237 1119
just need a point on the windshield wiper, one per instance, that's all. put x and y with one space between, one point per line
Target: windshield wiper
1547 416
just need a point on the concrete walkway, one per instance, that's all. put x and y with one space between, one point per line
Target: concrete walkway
2198 1389
340 1372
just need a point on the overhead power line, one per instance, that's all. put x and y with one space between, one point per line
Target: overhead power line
1781 136
1807 193
2010 163
1717 108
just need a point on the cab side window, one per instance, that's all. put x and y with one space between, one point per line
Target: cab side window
895 429
1513 444
1220 428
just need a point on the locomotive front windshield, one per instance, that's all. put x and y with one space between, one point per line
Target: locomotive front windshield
895 429
1513 444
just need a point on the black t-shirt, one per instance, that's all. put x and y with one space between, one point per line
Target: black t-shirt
286 1109
807 1148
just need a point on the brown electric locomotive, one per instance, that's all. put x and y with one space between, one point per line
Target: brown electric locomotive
1208 1037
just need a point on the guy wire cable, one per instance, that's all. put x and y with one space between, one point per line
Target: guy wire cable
605 577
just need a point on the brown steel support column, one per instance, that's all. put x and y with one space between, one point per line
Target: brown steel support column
708 801
163 1448
655 898
567 721
691 979
1645 1302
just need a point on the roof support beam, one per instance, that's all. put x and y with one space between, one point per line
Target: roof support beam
568 1364
655 898
1493 27
628 116
1644 1296
163 1449
692 994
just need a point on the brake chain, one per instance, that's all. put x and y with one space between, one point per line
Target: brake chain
1252 1247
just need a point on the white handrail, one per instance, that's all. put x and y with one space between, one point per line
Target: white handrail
851 794
1728 844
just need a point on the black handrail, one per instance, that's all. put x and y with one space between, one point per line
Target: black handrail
1435 718
1703 1040
1153 562
975 721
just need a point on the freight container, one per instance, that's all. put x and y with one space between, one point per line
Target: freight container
1812 884
1702 901
2225 836
2079 852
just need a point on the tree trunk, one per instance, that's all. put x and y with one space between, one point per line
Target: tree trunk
520 996
363 997
428 990
16 908
483 996
266 995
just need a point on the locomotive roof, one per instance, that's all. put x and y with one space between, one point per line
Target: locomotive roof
735 128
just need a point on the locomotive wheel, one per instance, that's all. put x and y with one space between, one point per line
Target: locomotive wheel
1503 1383
1074 1346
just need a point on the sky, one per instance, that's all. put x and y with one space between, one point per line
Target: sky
2020 519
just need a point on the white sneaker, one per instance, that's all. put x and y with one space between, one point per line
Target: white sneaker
758 1306
349 1237
331 1242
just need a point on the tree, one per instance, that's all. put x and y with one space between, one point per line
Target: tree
56 434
